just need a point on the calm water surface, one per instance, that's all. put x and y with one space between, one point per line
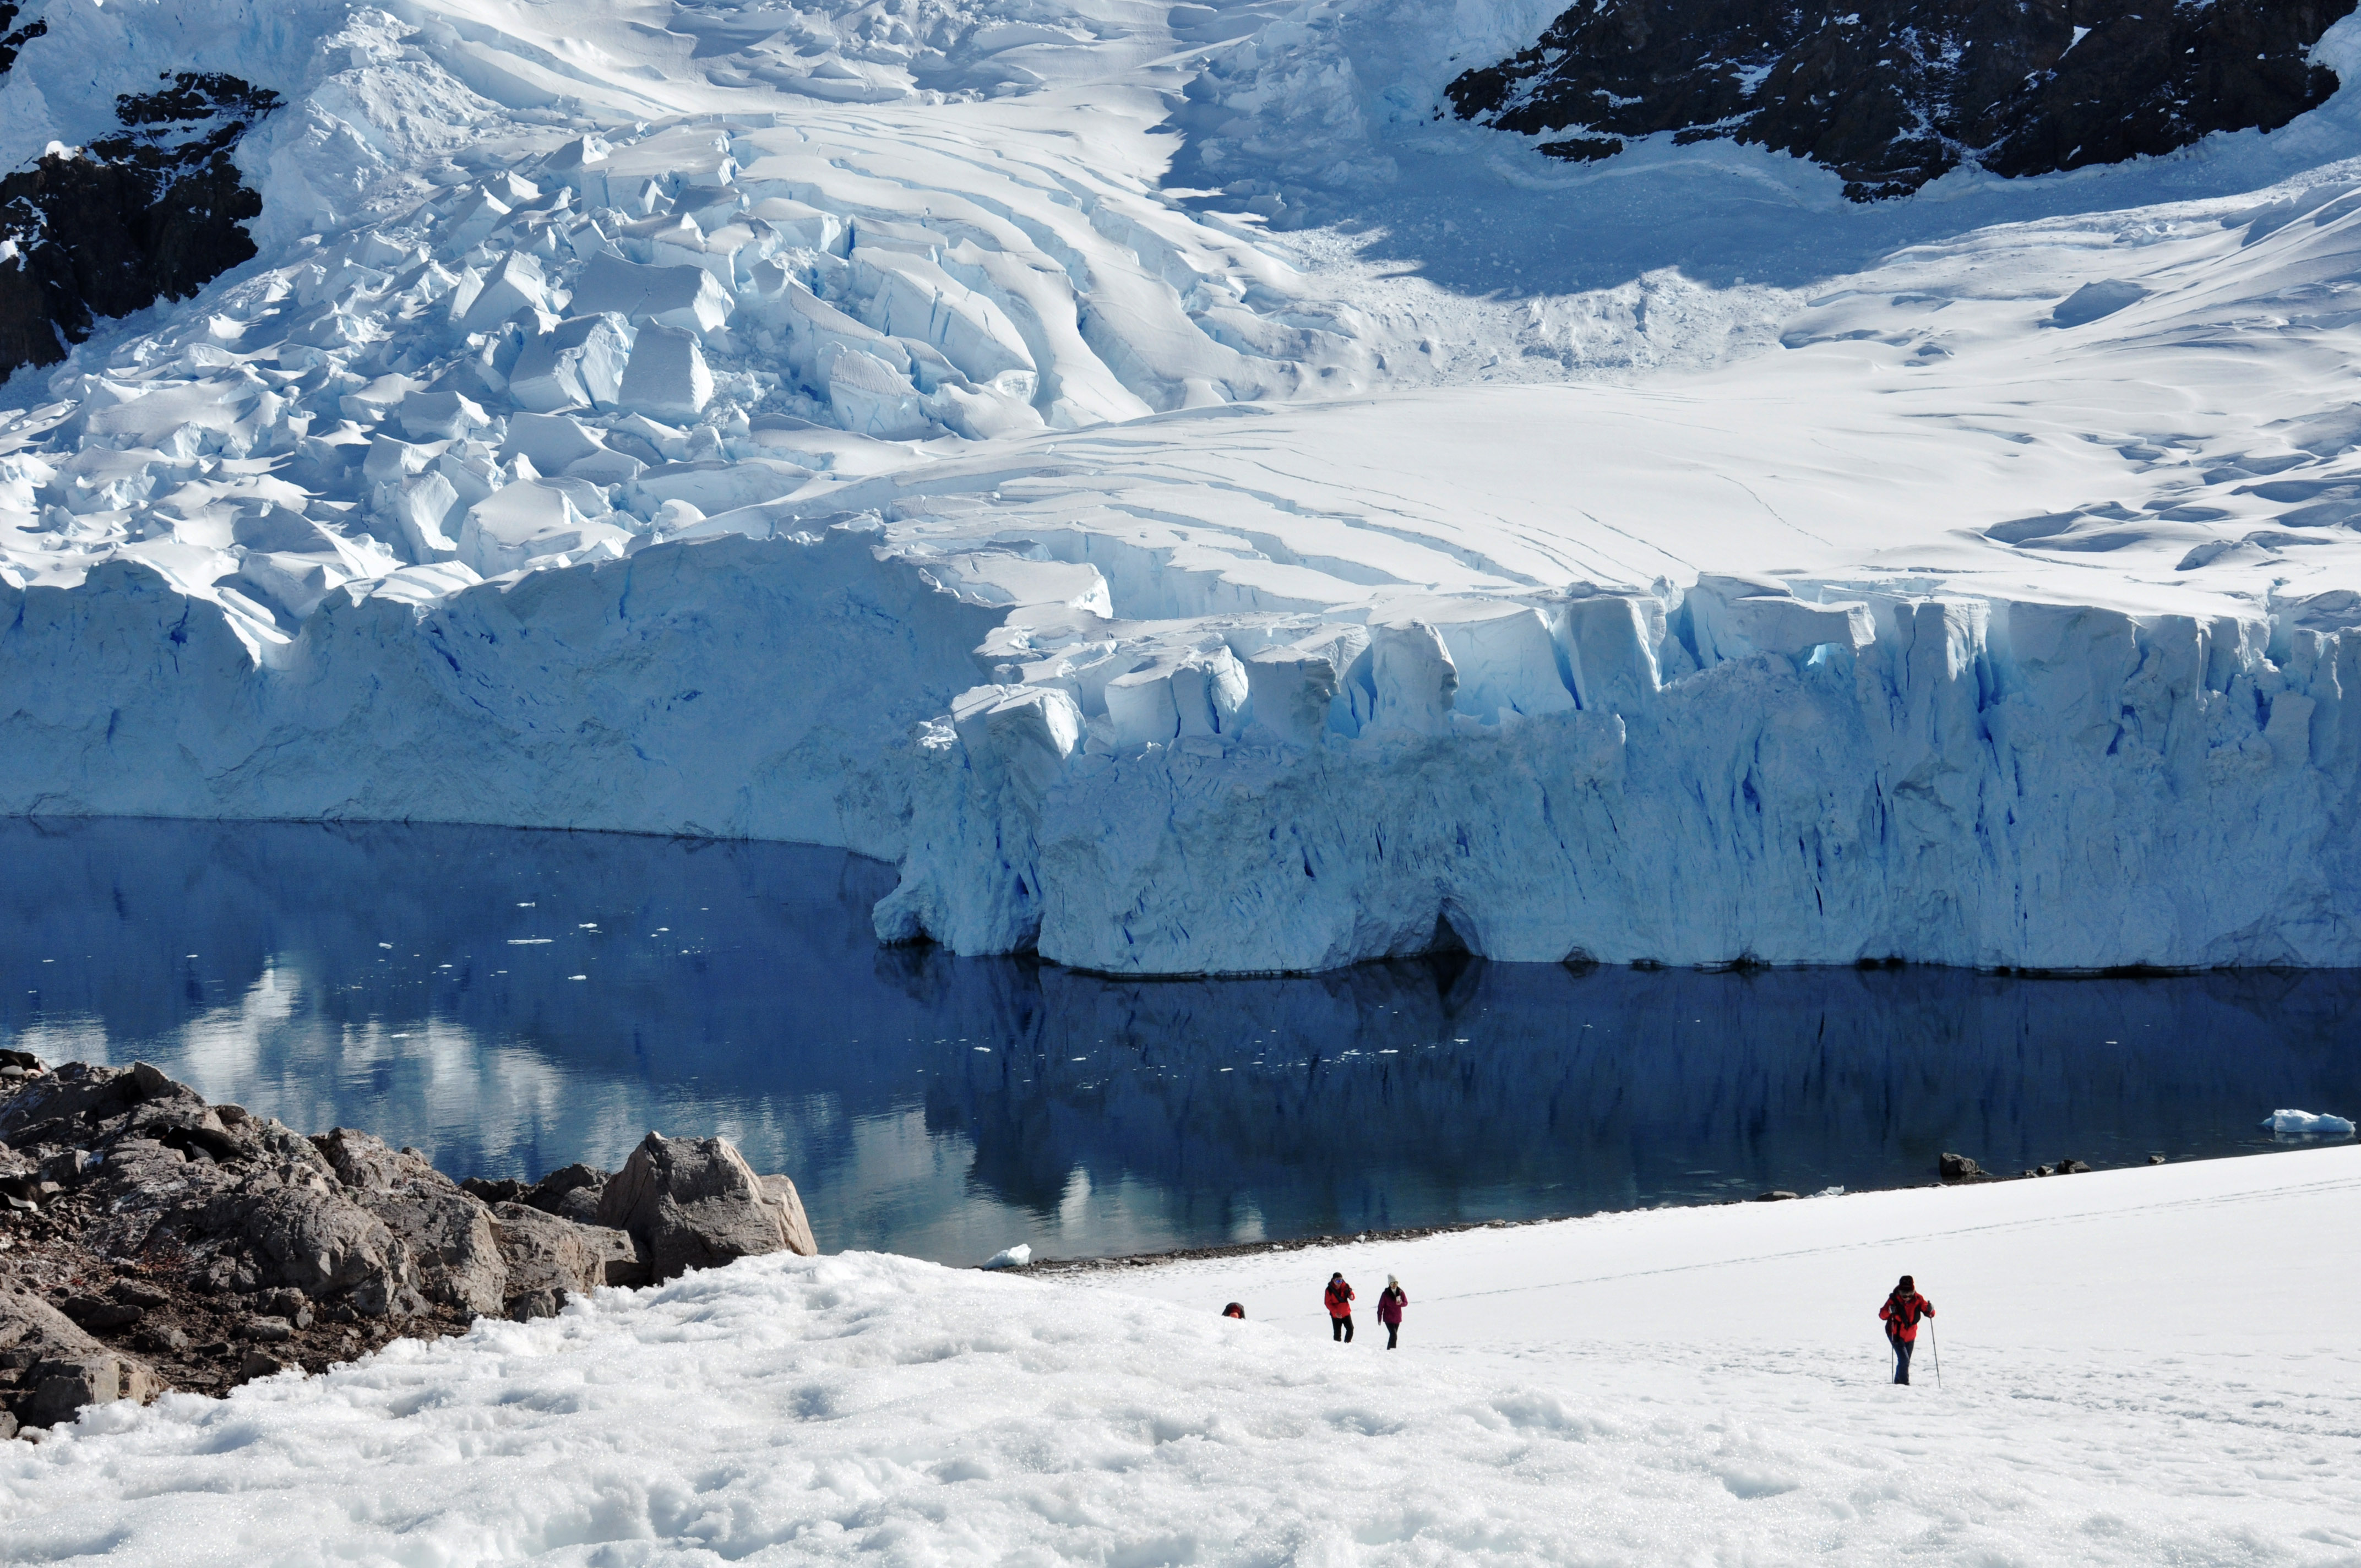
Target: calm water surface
510 1001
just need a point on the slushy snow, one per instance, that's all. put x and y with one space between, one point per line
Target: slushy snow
2137 1367
843 425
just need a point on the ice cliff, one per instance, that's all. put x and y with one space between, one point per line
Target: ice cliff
1959 781
832 425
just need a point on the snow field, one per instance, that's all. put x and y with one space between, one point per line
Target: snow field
2142 1367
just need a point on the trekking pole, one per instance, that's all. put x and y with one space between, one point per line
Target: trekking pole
1937 1347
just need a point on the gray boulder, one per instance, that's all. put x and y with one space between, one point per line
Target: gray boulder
64 1369
550 1259
695 1203
322 1242
571 1194
448 1233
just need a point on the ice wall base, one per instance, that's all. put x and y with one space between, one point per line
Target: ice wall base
2001 786
733 688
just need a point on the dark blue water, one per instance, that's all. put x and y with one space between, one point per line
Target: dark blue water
510 1001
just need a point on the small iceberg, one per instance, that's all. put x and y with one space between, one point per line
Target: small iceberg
2303 1123
1021 1253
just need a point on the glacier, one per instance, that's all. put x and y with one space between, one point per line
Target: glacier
837 424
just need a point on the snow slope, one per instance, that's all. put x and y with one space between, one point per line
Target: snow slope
2137 1367
844 424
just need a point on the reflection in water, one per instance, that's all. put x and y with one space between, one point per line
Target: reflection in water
510 1001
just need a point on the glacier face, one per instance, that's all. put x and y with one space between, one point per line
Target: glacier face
827 424
1971 782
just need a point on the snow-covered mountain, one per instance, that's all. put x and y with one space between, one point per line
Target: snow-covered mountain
1194 502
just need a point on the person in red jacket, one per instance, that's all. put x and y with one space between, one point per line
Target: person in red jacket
1340 1308
1901 1314
1390 1302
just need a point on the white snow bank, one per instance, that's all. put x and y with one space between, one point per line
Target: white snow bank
2135 1369
2305 1121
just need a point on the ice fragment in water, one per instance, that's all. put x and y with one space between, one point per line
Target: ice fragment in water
2304 1122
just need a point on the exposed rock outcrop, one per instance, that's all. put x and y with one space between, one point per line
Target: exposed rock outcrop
1892 95
154 1241
549 1259
1955 1168
154 212
695 1203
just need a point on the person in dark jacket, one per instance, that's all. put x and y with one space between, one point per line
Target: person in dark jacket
1340 1308
1901 1314
1233 1310
1390 1302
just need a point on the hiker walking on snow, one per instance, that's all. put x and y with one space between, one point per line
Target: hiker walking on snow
1340 1308
1901 1314
1390 1302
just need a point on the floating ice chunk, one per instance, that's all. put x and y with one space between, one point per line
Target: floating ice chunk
527 521
667 377
2305 1121
685 297
442 416
1735 618
1017 1256
869 397
580 365
516 284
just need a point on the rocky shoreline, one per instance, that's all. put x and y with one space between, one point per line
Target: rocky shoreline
151 1240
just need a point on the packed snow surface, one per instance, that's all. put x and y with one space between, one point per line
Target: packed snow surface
2137 1367
844 424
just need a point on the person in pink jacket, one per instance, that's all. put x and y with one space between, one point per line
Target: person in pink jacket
1390 1302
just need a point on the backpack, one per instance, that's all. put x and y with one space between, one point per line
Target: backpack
1905 1309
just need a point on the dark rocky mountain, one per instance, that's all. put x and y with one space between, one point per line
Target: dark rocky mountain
12 39
1893 94
152 211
